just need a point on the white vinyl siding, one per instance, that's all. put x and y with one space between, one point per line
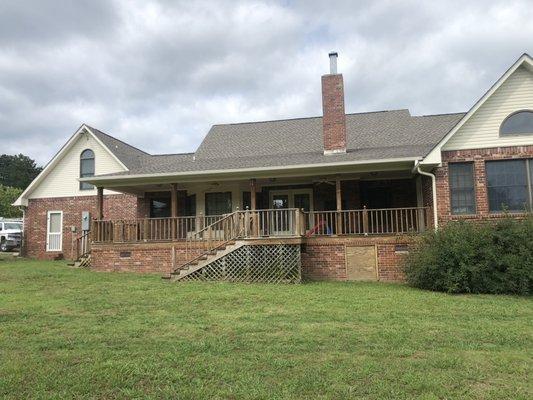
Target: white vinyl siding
482 130
54 231
62 180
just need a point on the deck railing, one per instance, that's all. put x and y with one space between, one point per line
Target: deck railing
383 221
143 229
289 222
83 245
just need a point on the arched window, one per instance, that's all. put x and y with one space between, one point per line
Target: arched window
86 168
518 123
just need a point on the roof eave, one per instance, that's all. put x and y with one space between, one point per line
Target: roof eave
102 180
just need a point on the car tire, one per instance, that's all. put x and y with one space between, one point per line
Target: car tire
3 246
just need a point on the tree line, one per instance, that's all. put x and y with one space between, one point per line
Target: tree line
16 173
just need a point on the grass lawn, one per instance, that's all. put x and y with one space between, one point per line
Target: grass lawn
68 333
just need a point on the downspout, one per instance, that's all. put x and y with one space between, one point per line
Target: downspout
434 187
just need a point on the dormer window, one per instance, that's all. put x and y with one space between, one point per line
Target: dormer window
86 168
518 123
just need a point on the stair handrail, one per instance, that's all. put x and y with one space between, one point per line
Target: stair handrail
83 244
231 230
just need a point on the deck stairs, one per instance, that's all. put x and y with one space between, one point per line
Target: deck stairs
83 262
212 242
83 251
228 249
205 259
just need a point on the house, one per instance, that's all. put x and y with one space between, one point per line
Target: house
334 197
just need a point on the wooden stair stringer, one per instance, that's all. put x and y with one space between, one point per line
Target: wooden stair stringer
187 270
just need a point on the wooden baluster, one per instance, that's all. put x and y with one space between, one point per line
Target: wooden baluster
365 221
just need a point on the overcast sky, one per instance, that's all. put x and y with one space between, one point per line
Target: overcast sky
158 74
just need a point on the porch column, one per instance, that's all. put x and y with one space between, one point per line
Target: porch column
99 203
174 209
253 205
173 200
96 231
338 195
252 194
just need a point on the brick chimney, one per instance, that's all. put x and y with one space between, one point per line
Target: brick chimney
334 119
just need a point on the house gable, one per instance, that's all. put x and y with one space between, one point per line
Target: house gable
479 128
60 176
482 130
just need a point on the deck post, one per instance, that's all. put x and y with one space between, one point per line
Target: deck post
338 195
146 229
174 208
199 222
298 223
247 223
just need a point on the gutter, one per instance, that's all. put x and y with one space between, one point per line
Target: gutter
434 192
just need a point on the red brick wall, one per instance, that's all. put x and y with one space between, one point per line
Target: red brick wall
427 198
139 257
478 157
324 258
115 206
334 118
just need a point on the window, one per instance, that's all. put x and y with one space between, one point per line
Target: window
217 203
86 168
518 123
160 207
190 206
13 225
54 229
246 200
509 185
462 194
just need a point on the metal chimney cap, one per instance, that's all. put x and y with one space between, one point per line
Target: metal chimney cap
333 62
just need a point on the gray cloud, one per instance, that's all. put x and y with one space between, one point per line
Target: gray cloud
158 74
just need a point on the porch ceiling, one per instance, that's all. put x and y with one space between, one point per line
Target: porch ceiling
140 184
141 188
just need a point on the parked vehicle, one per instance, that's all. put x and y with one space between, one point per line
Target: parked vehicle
10 234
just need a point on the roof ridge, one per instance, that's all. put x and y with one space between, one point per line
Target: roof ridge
316 117
172 154
440 114
118 140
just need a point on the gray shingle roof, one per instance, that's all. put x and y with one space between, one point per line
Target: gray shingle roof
129 156
370 136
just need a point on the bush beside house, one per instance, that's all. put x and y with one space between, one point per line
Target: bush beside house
464 257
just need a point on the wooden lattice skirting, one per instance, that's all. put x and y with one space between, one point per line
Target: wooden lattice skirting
273 263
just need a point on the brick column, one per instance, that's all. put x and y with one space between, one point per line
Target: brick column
480 179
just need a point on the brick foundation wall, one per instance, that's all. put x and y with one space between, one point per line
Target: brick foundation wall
478 157
35 221
139 257
324 258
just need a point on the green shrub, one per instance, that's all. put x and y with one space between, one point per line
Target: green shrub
466 257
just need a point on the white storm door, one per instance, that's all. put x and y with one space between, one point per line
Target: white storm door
54 231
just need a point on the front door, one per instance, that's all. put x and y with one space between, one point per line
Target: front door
54 231
292 198
281 200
